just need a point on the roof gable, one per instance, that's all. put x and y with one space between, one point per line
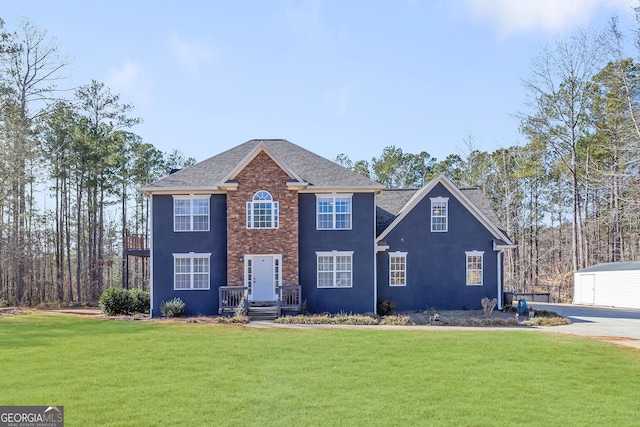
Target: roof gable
488 220
259 148
303 166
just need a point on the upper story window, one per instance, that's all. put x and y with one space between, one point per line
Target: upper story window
333 211
439 214
191 213
262 211
397 269
474 268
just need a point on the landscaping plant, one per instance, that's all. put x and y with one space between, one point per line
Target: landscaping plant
173 308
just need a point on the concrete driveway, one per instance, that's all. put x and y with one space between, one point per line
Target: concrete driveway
619 325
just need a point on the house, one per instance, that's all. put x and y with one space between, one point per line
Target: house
280 225
614 284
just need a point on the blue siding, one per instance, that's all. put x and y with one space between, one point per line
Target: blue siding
436 262
166 242
360 239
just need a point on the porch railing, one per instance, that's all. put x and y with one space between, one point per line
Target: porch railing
229 298
289 298
137 241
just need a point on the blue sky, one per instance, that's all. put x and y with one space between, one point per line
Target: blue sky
334 76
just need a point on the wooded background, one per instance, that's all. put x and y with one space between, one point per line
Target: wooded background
70 166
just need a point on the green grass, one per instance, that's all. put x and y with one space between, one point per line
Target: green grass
162 374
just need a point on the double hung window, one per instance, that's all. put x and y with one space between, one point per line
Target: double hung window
191 271
191 213
474 268
439 214
333 211
335 269
397 269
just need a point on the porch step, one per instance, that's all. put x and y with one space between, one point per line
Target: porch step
263 312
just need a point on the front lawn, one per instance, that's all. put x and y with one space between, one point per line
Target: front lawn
128 373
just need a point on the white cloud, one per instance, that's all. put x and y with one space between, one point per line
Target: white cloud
131 82
510 16
191 55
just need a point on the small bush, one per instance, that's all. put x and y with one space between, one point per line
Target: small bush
173 308
488 305
232 320
546 313
140 301
396 320
115 301
386 307
327 319
546 318
547 321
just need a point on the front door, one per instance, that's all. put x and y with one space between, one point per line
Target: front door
262 276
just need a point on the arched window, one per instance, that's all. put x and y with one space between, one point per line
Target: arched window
262 211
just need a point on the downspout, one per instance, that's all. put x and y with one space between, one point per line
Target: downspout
375 258
499 269
151 284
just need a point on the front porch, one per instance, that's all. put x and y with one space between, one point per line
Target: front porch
289 299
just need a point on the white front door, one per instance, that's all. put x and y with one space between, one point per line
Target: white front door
261 272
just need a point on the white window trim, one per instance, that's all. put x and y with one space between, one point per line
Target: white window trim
333 197
466 276
333 254
444 200
191 256
398 254
275 212
192 197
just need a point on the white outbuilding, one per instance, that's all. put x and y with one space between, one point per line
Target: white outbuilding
615 284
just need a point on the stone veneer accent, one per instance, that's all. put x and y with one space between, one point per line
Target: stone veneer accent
262 173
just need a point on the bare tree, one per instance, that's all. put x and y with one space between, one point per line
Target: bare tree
30 68
560 96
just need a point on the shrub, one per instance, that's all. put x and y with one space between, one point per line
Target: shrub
140 301
386 307
488 305
327 319
118 301
173 308
115 301
396 320
547 321
231 320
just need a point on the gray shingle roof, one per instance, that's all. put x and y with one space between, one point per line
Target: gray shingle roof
391 201
612 266
478 198
310 167
388 205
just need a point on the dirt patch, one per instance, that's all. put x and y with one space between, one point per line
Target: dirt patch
457 316
12 311
624 341
80 311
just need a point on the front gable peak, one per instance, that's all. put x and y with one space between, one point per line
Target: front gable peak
261 147
472 207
